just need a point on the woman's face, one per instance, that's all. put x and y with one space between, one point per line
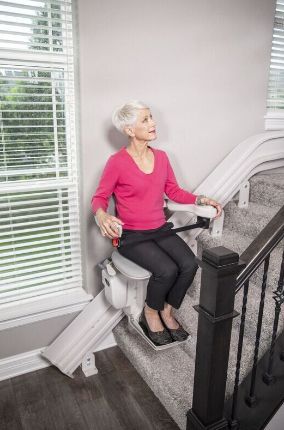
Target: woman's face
145 127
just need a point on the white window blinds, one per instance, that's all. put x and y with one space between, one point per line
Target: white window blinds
275 100
39 216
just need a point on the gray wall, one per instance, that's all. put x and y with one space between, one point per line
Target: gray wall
28 337
201 65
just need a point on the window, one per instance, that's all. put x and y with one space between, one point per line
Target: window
39 217
275 99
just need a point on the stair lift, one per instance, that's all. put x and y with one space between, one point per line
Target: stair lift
125 282
125 287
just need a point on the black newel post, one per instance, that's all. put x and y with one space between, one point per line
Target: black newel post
220 267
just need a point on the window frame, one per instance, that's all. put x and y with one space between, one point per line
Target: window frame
274 118
24 309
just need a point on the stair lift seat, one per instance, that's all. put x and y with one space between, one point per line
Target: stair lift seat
126 282
128 268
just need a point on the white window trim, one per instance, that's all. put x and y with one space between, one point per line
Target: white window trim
274 120
274 117
31 310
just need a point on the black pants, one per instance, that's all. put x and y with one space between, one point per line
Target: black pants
171 262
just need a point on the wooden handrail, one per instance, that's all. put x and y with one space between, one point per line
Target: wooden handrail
260 247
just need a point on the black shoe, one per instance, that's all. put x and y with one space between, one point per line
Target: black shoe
178 334
157 337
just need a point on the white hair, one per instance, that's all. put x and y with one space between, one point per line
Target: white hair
127 114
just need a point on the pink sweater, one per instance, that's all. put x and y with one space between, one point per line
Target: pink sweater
139 196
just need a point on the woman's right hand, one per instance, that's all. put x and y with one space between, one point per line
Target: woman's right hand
107 224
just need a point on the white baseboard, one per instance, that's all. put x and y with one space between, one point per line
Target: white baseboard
22 363
31 361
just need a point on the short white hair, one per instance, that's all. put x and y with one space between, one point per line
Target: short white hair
127 114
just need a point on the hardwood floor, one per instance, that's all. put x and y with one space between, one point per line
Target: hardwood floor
117 398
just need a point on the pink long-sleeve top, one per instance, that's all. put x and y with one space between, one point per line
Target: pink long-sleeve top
139 196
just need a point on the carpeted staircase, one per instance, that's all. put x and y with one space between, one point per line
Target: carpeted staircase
170 373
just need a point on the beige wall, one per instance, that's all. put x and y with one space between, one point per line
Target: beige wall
201 65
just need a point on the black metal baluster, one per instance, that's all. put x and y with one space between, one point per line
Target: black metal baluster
234 424
268 378
251 399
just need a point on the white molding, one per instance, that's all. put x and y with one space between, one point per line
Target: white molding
21 363
31 361
274 121
28 311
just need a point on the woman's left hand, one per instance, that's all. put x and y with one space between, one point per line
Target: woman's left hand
211 202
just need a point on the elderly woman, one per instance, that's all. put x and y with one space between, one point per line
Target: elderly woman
139 175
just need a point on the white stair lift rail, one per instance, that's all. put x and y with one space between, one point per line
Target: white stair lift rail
260 152
124 293
83 335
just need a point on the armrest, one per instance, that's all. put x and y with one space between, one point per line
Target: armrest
203 211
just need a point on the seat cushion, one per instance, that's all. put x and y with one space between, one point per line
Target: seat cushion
128 268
